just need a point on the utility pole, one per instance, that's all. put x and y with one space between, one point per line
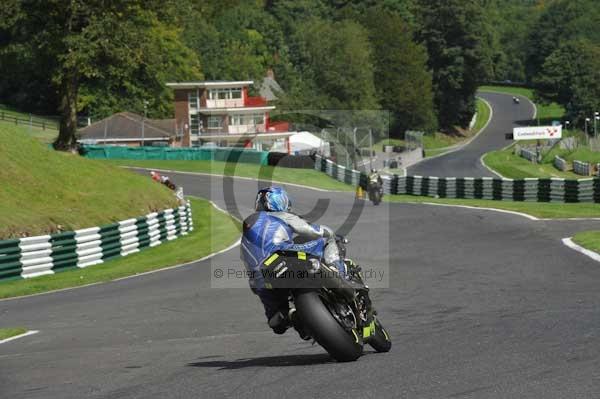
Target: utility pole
346 148
370 149
105 129
144 120
596 117
354 149
586 126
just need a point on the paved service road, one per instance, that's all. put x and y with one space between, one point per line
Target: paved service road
466 161
480 304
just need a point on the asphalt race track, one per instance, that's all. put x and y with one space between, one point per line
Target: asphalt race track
466 162
480 304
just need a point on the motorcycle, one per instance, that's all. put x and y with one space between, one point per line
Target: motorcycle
375 191
339 318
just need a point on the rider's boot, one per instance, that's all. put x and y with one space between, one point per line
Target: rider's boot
279 323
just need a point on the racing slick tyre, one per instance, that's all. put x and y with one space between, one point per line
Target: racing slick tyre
342 345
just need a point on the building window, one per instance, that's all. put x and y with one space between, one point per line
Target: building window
195 124
248 119
225 94
258 119
234 120
193 99
215 122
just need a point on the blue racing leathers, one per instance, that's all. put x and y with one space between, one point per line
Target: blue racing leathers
267 232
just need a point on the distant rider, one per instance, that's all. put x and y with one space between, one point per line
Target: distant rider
272 228
375 181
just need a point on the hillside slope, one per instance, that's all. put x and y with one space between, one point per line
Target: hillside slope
44 191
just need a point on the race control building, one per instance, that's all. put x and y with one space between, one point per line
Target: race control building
222 113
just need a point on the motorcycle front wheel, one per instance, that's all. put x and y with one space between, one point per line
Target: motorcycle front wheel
380 341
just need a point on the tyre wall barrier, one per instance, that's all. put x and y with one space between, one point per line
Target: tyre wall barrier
48 254
532 189
291 161
582 168
560 163
529 155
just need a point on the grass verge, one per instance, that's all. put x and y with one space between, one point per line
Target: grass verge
512 166
213 231
546 113
483 115
44 136
306 177
537 209
44 191
9 111
588 239
438 143
11 332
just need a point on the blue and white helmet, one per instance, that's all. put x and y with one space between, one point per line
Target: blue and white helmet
272 199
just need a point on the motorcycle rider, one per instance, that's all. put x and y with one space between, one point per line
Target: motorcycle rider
375 177
375 182
272 228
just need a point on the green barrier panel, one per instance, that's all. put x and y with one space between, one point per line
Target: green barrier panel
154 153
171 154
175 154
95 152
135 153
204 154
116 152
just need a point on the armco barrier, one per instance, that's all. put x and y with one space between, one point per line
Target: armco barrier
41 255
183 154
533 189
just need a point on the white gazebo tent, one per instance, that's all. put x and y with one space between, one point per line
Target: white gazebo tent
302 142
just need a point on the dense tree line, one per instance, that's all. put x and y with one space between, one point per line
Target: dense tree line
421 60
551 45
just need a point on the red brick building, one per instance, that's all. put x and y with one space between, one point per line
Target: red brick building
222 112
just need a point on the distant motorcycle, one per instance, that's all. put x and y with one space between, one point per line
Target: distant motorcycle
375 189
516 100
163 179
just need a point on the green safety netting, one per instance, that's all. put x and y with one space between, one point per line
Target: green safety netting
179 154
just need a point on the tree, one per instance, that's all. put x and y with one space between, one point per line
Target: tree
110 48
570 76
337 58
560 21
452 32
508 24
403 83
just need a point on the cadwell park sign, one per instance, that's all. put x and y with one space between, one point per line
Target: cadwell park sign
537 132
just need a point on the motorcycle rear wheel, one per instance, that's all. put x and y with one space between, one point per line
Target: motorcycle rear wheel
342 345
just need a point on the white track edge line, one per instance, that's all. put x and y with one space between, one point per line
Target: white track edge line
25 334
505 147
589 253
462 145
525 215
